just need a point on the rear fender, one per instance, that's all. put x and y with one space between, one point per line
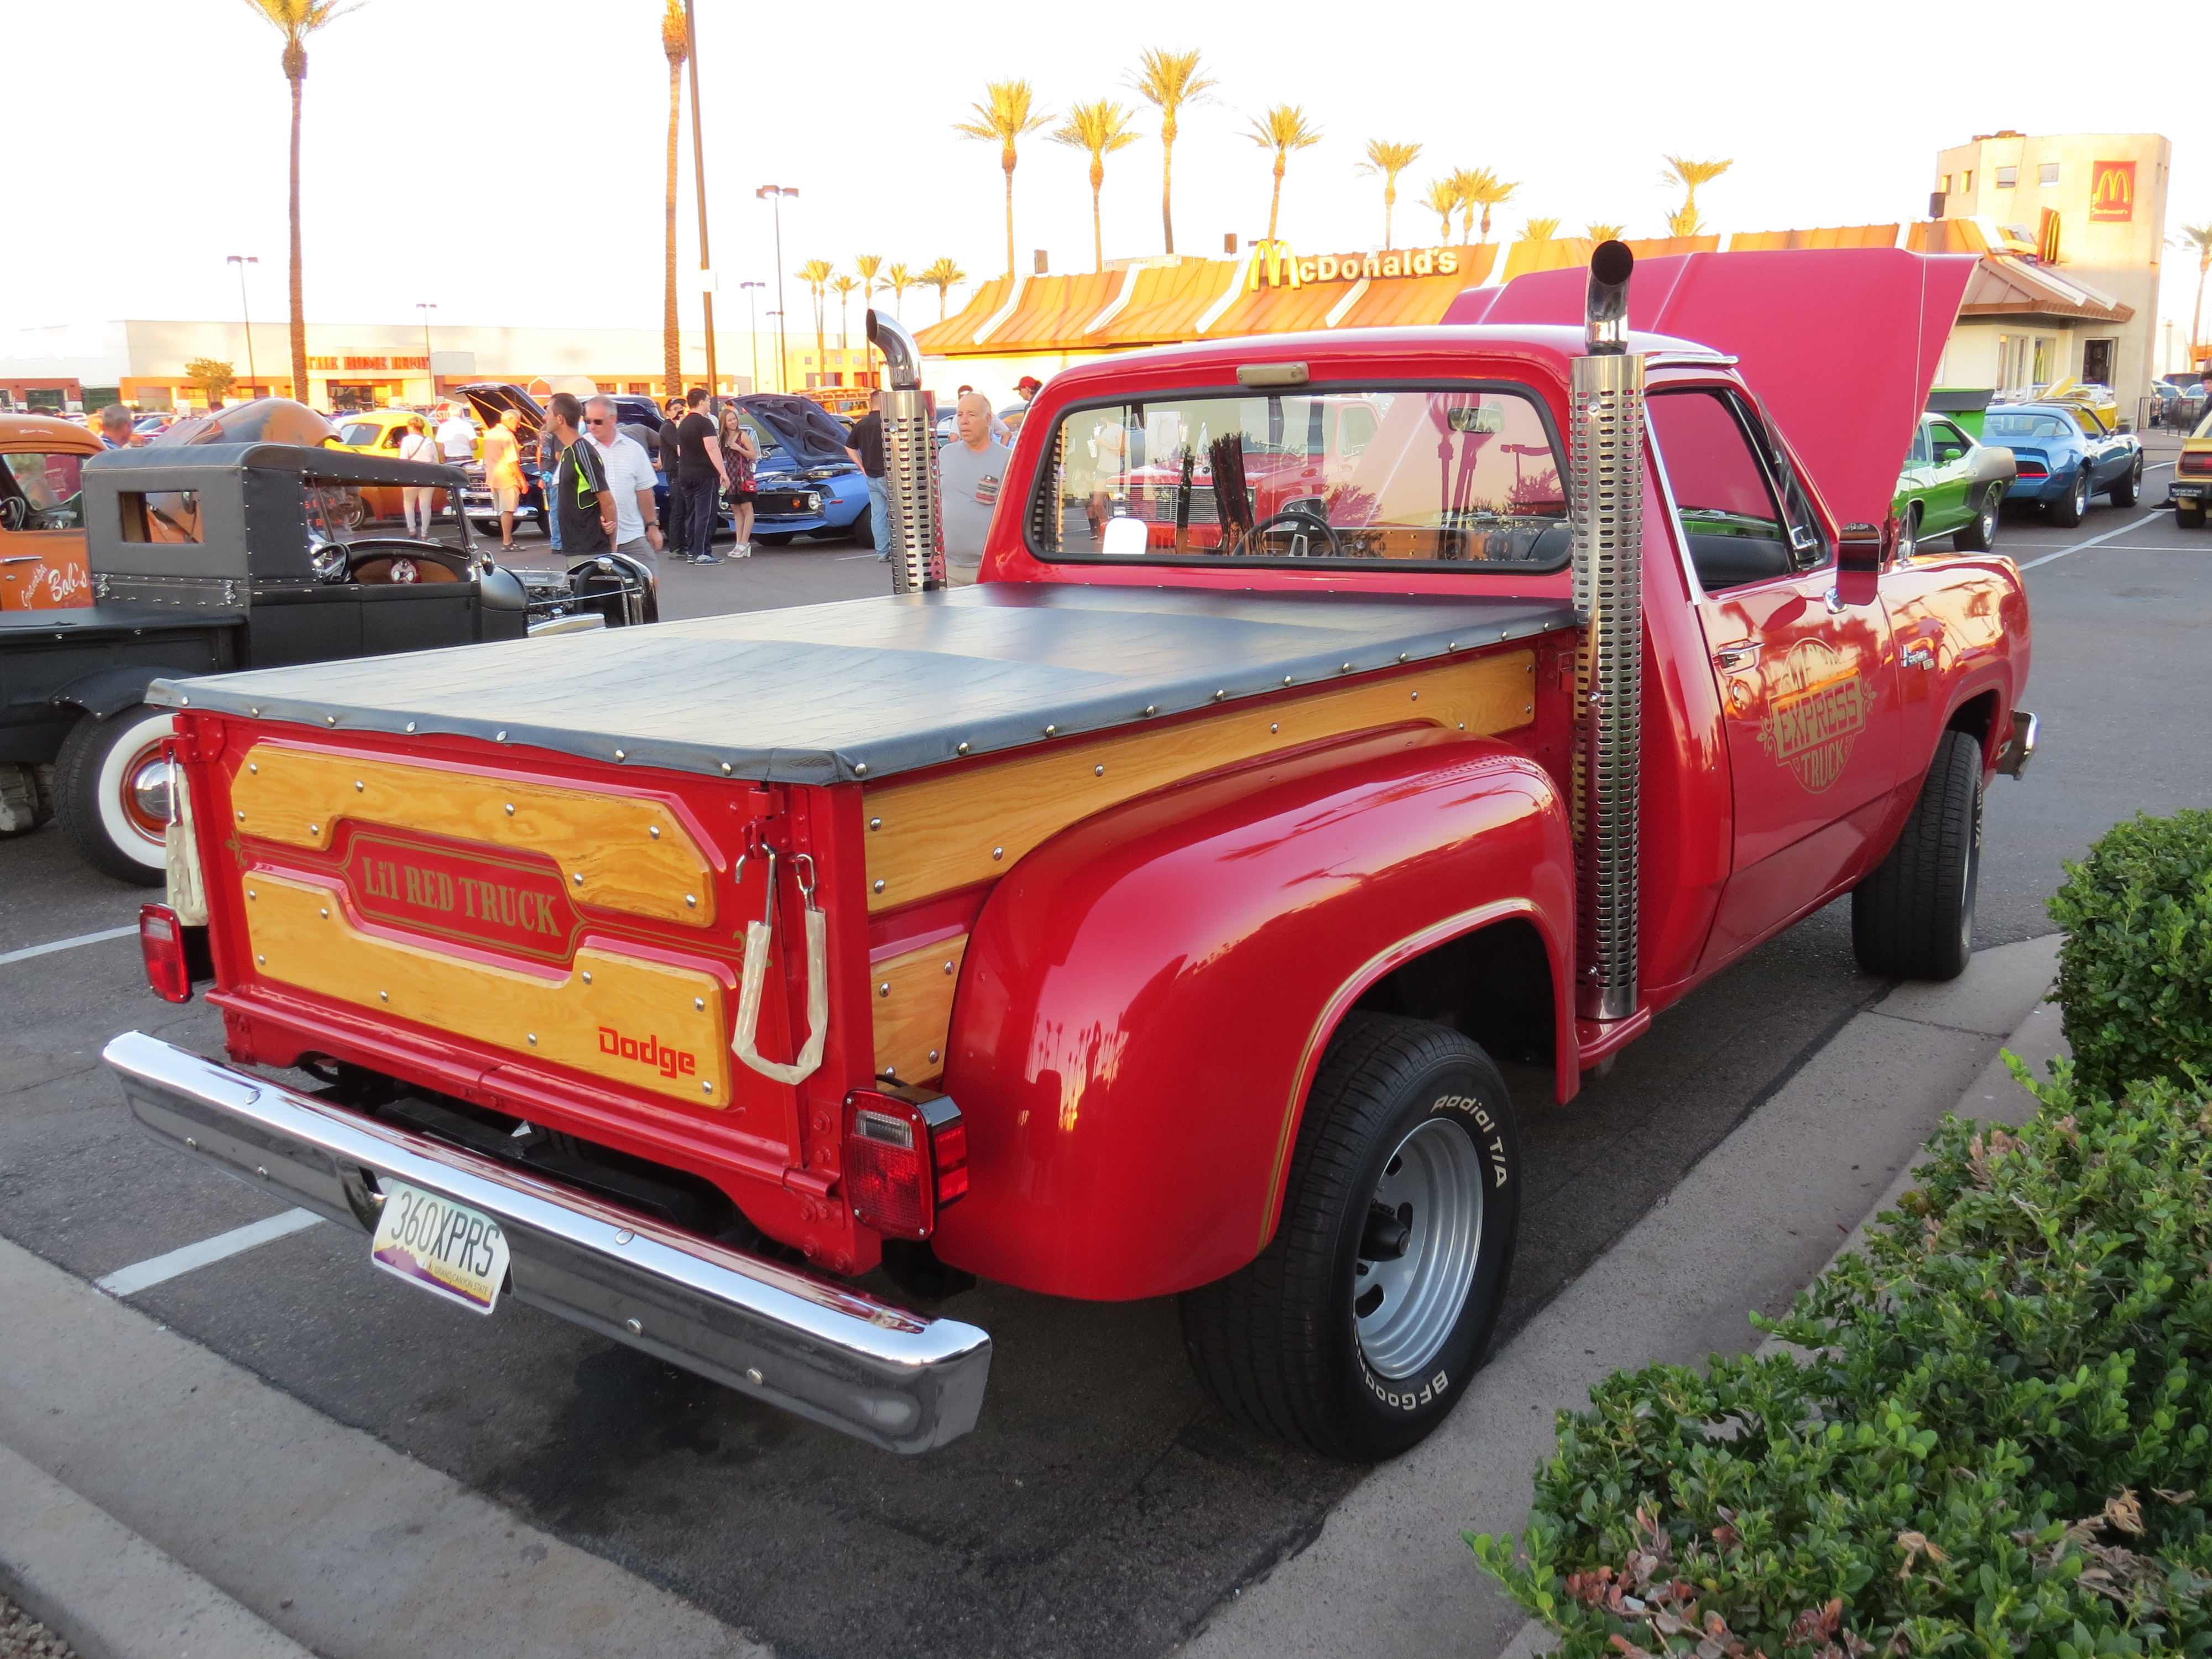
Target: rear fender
1146 998
109 692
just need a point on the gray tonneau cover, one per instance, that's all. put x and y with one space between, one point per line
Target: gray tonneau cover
868 688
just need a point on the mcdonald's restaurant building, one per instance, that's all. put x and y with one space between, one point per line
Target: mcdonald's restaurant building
2068 231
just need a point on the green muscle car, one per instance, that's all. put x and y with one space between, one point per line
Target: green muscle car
1951 486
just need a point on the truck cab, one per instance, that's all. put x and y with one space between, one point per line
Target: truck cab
1335 713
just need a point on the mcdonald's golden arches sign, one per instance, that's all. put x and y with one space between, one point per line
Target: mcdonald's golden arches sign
2113 193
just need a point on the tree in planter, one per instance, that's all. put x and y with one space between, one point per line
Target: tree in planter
212 377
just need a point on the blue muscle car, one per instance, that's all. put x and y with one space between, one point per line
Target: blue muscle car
806 484
2066 453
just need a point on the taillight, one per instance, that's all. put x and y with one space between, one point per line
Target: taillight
904 1161
2032 470
2196 466
161 937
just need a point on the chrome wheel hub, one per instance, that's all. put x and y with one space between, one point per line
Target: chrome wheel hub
1417 1248
147 791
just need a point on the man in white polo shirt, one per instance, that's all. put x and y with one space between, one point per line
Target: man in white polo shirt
629 481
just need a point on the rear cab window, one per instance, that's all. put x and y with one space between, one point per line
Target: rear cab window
1424 477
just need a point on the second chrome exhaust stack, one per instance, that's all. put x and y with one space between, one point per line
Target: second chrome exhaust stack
1605 507
909 456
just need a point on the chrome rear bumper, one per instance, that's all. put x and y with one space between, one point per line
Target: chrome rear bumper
842 1358
2020 748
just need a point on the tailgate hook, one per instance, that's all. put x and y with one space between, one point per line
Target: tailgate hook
757 936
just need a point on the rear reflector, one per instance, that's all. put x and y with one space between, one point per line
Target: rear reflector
904 1161
161 937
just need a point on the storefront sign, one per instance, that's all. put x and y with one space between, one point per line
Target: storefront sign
1275 265
353 363
2112 196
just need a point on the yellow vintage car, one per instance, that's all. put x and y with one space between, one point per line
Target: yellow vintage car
380 432
2192 478
42 563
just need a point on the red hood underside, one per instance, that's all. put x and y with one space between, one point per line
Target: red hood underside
1841 344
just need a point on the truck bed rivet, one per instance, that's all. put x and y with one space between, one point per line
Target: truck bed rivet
262 1170
706 1088
884 989
359 788
861 770
962 750
948 966
1288 680
1274 726
1463 725
510 809
190 1142
324 912
1402 656
1416 696
699 1003
998 852
256 712
1150 711
1052 731
241 818
410 726
932 1053
753 1375
578 877
1097 771
260 961
635 1329
330 719
533 1039
1219 695
652 829
384 996
502 737
725 769
1453 646
690 900
622 1236
251 894
1346 669
587 976
875 824
880 886
253 766
620 755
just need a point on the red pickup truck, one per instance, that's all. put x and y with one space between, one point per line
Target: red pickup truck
1335 712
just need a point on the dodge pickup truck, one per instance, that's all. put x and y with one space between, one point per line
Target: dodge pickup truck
1335 713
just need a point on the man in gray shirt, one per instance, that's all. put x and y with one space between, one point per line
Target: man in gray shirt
969 471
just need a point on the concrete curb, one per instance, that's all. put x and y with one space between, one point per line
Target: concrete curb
1755 1221
105 1590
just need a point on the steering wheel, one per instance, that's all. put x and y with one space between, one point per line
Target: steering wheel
15 512
1305 523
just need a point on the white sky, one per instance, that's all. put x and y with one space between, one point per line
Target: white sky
505 160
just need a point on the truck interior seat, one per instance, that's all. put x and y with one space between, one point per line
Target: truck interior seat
1730 561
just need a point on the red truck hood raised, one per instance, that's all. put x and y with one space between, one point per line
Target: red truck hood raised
1840 343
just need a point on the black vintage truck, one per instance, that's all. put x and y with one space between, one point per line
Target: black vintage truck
212 556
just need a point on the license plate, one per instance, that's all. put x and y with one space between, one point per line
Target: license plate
444 1247
783 505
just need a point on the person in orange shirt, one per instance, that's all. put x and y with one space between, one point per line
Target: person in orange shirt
502 466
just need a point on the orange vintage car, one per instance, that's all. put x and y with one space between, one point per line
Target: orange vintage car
42 566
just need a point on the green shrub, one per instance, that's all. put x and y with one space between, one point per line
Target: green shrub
2136 972
1990 1439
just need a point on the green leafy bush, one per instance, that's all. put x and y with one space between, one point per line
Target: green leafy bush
1991 1438
2136 972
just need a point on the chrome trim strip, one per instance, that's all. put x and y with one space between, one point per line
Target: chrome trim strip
2020 748
835 1356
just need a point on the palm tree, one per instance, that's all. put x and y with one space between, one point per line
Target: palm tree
676 43
1283 129
843 287
1540 230
1479 187
1169 80
815 273
870 267
295 20
898 279
1601 232
1689 175
2200 238
1100 127
1442 200
1390 160
942 275
1003 118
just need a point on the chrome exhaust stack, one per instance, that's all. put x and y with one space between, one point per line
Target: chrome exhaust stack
909 457
1604 504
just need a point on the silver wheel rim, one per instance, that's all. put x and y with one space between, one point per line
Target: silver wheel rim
1432 1183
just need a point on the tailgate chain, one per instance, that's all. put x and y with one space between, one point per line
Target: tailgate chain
757 936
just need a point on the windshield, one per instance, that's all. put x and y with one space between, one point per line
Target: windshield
1458 476
2024 426
48 486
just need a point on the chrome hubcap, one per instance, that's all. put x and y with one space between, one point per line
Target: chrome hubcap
148 791
1417 1248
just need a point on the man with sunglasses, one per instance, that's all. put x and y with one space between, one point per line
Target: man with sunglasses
629 471
583 508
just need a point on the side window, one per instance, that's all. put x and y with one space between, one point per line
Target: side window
1950 443
2091 426
1920 456
1736 530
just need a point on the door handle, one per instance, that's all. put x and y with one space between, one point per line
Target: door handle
1734 658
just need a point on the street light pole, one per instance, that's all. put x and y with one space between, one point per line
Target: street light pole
752 325
426 306
775 195
242 260
699 178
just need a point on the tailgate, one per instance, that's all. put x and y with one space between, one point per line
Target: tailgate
555 940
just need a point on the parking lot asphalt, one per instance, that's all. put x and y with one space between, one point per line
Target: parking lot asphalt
1101 1508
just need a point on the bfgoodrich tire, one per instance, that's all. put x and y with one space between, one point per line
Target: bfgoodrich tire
1357 1329
1913 918
110 793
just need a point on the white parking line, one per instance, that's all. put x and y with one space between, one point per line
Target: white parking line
128 1281
2093 540
30 951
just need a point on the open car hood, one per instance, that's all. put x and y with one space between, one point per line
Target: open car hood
493 399
800 426
1849 413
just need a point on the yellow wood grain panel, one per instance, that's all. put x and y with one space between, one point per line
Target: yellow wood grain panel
633 855
937 834
912 995
300 936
